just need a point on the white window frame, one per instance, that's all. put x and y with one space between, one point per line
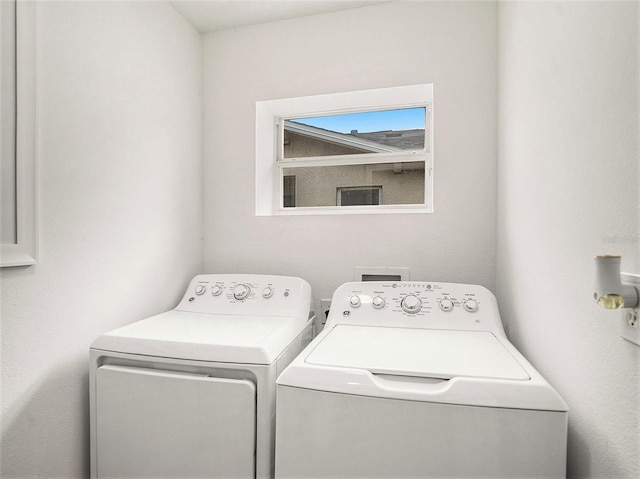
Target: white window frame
24 251
269 161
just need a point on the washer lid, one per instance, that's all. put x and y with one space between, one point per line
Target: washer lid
206 337
428 353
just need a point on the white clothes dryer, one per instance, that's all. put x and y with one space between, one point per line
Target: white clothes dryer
416 379
190 393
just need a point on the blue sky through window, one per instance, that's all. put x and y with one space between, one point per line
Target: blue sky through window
403 119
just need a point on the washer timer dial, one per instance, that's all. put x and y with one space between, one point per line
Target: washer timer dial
241 291
411 304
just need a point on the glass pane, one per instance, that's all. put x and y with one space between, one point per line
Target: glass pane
359 195
289 191
381 131
396 183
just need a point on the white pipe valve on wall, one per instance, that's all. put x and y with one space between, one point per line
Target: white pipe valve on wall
610 292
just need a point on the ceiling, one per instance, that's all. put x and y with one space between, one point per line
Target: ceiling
214 15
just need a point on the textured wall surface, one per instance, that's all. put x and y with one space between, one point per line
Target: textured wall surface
568 191
119 101
121 201
452 45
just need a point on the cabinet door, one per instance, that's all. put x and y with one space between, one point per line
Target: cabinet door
161 424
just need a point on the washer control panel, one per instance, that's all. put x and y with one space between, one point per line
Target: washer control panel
247 294
416 304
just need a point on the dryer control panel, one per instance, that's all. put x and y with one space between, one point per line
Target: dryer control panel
416 304
247 294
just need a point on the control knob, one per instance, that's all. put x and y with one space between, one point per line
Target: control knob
411 304
267 292
241 291
354 301
471 305
378 302
200 289
446 304
216 289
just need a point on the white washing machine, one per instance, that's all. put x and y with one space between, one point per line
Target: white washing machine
190 393
416 379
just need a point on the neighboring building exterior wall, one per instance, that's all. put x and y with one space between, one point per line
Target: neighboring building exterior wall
317 186
402 183
300 146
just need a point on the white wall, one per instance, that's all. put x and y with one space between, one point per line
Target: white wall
452 45
569 190
119 104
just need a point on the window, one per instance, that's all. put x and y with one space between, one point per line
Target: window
359 195
337 153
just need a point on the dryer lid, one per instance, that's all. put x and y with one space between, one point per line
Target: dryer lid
206 337
427 353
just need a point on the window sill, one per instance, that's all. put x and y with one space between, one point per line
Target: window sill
353 210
